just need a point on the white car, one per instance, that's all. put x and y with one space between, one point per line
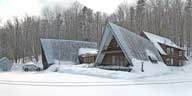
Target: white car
31 67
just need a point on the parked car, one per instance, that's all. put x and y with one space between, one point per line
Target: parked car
31 67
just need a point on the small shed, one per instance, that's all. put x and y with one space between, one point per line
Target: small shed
87 55
64 50
5 64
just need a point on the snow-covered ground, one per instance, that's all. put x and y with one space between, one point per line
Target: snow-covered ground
61 84
84 80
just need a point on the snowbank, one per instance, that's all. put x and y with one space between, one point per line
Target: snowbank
64 62
150 68
86 65
83 51
188 66
19 67
88 69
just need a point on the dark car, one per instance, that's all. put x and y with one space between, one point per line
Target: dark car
31 67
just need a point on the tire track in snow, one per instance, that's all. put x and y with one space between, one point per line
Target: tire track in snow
124 81
93 84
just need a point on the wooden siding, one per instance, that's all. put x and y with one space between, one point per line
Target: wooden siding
87 59
178 60
114 55
115 59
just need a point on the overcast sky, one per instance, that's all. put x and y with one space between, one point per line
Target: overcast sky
10 8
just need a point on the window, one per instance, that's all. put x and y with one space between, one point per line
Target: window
180 53
117 60
170 51
125 61
180 62
168 61
151 56
172 61
153 60
113 59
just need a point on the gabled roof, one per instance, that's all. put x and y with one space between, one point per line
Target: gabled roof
64 50
157 40
132 45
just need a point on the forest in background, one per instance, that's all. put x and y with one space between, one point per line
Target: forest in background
20 38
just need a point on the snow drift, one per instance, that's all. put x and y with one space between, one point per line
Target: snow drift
89 69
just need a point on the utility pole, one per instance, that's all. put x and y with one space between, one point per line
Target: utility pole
59 22
142 69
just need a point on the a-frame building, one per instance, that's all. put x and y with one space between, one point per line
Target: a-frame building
120 47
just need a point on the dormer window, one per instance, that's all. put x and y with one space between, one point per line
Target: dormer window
151 56
153 60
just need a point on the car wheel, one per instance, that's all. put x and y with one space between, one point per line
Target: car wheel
26 70
38 69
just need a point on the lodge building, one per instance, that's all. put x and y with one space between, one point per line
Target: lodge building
172 54
120 48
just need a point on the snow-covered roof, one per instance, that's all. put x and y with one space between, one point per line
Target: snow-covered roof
156 40
83 51
132 45
65 50
5 64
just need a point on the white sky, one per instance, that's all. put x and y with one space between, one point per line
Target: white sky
10 8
